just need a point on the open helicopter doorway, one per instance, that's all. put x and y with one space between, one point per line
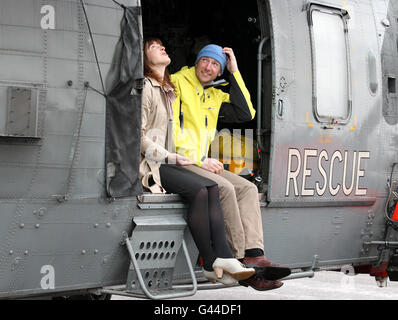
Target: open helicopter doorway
185 27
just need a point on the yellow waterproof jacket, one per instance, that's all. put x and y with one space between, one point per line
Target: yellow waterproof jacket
197 109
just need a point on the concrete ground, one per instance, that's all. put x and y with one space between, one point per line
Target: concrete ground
325 285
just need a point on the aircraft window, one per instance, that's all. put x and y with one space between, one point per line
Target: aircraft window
392 85
332 97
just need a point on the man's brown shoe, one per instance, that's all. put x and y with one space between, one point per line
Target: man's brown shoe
260 284
266 269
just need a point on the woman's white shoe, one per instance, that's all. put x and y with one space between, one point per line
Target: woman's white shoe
226 279
232 267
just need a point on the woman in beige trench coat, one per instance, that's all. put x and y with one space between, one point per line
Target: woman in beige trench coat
162 170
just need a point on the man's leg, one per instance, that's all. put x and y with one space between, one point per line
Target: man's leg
249 208
250 213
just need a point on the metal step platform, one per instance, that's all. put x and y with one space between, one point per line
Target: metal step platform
153 249
148 197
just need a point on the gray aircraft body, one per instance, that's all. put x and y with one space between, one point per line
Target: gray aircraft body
74 219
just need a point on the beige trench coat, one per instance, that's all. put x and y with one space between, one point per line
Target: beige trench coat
157 121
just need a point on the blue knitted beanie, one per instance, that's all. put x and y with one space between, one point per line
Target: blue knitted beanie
213 51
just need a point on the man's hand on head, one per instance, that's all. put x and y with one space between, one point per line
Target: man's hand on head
232 64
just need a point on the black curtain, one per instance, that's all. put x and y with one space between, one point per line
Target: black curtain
123 110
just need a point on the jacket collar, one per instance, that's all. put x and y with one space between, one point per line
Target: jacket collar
190 75
155 83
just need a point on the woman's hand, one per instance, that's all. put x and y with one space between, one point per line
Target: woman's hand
213 165
179 160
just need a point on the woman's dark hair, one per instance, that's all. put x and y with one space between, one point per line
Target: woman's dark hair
149 72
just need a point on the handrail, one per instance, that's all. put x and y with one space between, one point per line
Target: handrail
260 58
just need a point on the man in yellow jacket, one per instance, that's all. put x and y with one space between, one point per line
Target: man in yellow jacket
197 108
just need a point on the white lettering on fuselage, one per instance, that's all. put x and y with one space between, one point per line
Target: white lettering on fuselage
48 20
48 280
329 171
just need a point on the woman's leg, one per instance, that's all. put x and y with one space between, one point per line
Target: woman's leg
217 227
193 189
199 224
235 232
